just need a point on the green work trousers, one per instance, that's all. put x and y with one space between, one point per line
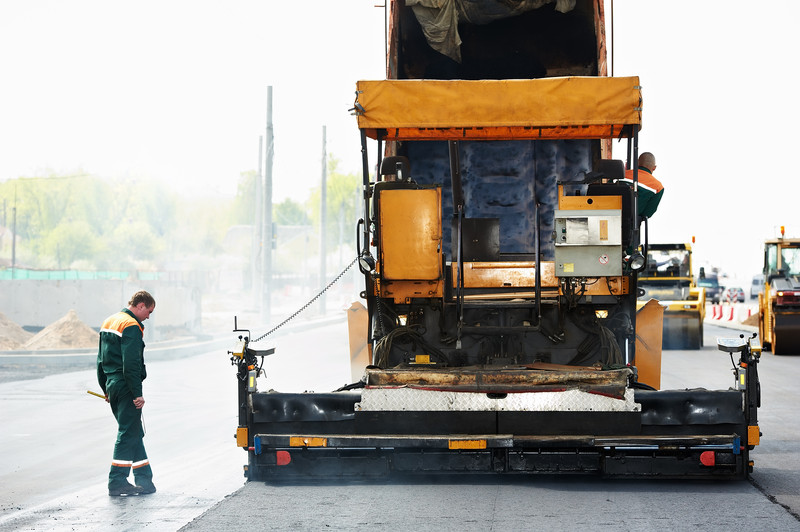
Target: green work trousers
129 450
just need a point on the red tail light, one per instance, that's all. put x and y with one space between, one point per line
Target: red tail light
788 297
708 458
283 458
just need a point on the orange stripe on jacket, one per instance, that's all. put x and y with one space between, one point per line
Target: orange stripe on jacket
646 180
119 322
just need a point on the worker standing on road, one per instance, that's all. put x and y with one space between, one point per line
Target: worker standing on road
120 372
650 188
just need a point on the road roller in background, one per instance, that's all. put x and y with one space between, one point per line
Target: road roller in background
779 302
668 278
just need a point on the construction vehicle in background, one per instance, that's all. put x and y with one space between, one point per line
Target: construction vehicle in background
668 278
779 302
710 283
500 259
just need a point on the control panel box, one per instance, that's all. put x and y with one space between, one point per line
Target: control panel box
588 243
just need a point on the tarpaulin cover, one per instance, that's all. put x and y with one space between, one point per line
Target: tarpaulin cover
439 19
568 107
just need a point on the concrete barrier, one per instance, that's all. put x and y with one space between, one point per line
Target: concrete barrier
21 365
726 312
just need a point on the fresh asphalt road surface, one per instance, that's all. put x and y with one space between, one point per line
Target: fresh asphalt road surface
57 442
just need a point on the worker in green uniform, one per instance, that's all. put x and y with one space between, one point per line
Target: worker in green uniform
120 372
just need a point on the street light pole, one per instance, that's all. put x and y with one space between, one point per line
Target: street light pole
323 221
14 235
266 290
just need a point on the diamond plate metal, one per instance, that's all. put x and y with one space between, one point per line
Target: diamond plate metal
412 399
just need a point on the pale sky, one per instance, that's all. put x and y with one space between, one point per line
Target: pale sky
718 81
176 90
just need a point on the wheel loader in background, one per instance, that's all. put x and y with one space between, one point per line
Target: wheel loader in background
500 263
668 278
779 302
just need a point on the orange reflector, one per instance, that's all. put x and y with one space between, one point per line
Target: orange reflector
304 441
241 437
422 359
283 457
466 444
708 458
753 435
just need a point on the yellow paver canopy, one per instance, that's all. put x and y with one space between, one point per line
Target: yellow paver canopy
569 107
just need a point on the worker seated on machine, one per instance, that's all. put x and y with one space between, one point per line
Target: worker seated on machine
650 189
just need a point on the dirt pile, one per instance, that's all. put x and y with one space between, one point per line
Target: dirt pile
67 333
752 319
12 336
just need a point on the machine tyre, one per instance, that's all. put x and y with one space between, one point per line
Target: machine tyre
787 326
702 341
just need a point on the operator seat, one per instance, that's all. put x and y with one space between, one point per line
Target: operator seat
613 170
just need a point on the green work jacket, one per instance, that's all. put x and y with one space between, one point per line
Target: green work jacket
121 352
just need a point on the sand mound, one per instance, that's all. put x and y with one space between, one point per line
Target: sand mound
752 319
12 336
67 333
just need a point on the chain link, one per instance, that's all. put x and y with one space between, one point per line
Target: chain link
301 309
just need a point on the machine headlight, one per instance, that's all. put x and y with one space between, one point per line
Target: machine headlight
366 262
635 261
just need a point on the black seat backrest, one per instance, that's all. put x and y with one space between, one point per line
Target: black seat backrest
390 164
615 169
610 168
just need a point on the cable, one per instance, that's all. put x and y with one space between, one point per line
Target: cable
301 309
412 334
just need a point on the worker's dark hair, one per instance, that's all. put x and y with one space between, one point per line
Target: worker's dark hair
142 297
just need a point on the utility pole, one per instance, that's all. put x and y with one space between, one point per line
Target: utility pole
323 221
258 233
266 290
14 235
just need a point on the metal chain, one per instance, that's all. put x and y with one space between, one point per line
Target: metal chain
301 309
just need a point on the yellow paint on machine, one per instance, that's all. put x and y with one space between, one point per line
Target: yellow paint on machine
411 234
649 331
753 435
588 203
357 329
307 441
241 437
466 444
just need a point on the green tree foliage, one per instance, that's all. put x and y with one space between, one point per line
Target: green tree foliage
83 221
289 212
203 227
71 241
244 206
61 220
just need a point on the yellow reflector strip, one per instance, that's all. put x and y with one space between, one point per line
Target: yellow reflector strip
467 444
241 437
303 441
753 435
422 359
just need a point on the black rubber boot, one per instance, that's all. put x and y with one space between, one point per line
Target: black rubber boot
124 490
